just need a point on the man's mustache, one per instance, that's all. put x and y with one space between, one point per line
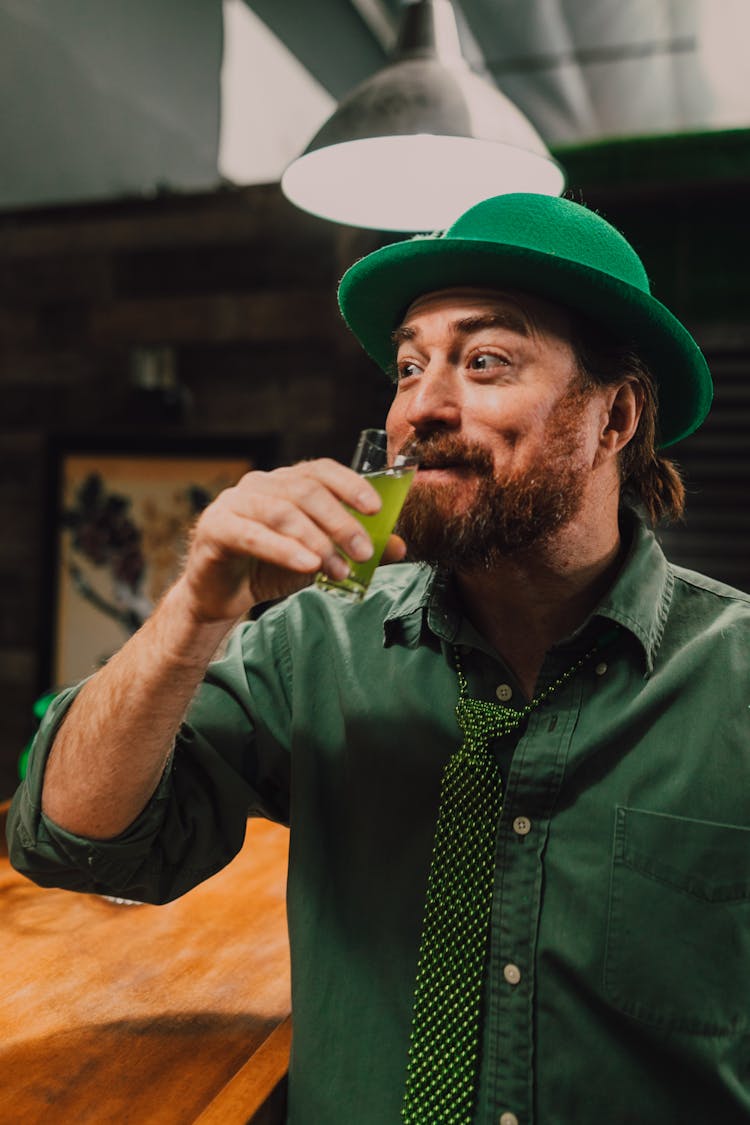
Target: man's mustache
446 451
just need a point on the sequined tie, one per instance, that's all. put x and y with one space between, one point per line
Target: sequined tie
443 1059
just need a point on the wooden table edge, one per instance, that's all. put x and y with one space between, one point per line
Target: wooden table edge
255 1084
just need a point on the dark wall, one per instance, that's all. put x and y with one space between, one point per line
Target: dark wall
242 287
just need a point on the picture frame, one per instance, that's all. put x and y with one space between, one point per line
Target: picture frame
119 515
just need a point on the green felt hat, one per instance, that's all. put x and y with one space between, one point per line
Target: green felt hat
550 247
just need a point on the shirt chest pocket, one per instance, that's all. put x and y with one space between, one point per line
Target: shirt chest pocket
678 940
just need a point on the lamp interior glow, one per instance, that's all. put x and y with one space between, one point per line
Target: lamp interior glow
412 183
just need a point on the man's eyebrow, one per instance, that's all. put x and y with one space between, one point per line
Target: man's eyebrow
506 318
466 326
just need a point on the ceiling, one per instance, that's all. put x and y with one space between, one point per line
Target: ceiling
110 98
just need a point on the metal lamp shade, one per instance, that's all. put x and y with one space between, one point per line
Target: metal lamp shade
420 141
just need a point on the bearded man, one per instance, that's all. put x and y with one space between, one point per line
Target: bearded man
516 773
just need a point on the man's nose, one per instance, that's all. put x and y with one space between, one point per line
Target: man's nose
435 401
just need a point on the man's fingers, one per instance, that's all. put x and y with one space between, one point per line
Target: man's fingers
305 481
252 538
277 532
303 506
348 486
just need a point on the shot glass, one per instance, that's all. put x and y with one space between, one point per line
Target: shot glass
391 482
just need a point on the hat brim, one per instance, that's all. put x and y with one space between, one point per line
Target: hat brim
376 292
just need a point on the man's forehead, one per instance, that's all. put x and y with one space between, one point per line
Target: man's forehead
460 296
526 312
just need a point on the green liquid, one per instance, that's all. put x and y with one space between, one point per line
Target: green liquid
392 486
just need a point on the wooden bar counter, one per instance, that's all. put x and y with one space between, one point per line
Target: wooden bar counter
150 1015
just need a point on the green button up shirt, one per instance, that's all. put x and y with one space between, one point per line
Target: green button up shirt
618 975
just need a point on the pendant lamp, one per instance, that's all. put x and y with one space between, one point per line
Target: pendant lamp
423 139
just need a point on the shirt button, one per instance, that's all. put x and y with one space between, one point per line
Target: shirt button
522 825
601 668
508 1119
512 974
504 692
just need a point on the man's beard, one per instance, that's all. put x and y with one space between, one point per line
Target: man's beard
508 514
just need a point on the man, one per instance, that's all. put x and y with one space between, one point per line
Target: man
517 774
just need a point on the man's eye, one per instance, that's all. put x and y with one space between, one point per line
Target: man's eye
487 361
404 370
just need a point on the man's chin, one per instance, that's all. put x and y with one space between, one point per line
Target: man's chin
442 511
433 518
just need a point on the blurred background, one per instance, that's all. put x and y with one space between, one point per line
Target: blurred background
162 301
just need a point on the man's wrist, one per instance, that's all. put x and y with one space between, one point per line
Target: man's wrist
184 638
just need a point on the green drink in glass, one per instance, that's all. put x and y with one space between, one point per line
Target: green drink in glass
391 482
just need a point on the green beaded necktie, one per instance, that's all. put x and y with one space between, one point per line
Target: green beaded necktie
444 1046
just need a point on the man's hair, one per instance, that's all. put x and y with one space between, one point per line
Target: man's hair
648 479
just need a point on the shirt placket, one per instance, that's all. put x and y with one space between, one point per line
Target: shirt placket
530 793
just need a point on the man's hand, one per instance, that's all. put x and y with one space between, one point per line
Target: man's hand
268 536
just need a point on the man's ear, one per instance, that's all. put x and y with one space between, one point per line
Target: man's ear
622 411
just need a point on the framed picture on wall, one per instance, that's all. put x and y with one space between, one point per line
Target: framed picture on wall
119 521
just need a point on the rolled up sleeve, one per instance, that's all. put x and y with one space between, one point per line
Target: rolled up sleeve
230 760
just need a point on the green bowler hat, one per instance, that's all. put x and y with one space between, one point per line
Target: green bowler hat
550 247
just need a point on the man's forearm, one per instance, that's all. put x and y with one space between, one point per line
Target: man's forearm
110 751
260 540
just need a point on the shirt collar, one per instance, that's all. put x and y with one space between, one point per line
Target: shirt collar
640 596
424 604
638 600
